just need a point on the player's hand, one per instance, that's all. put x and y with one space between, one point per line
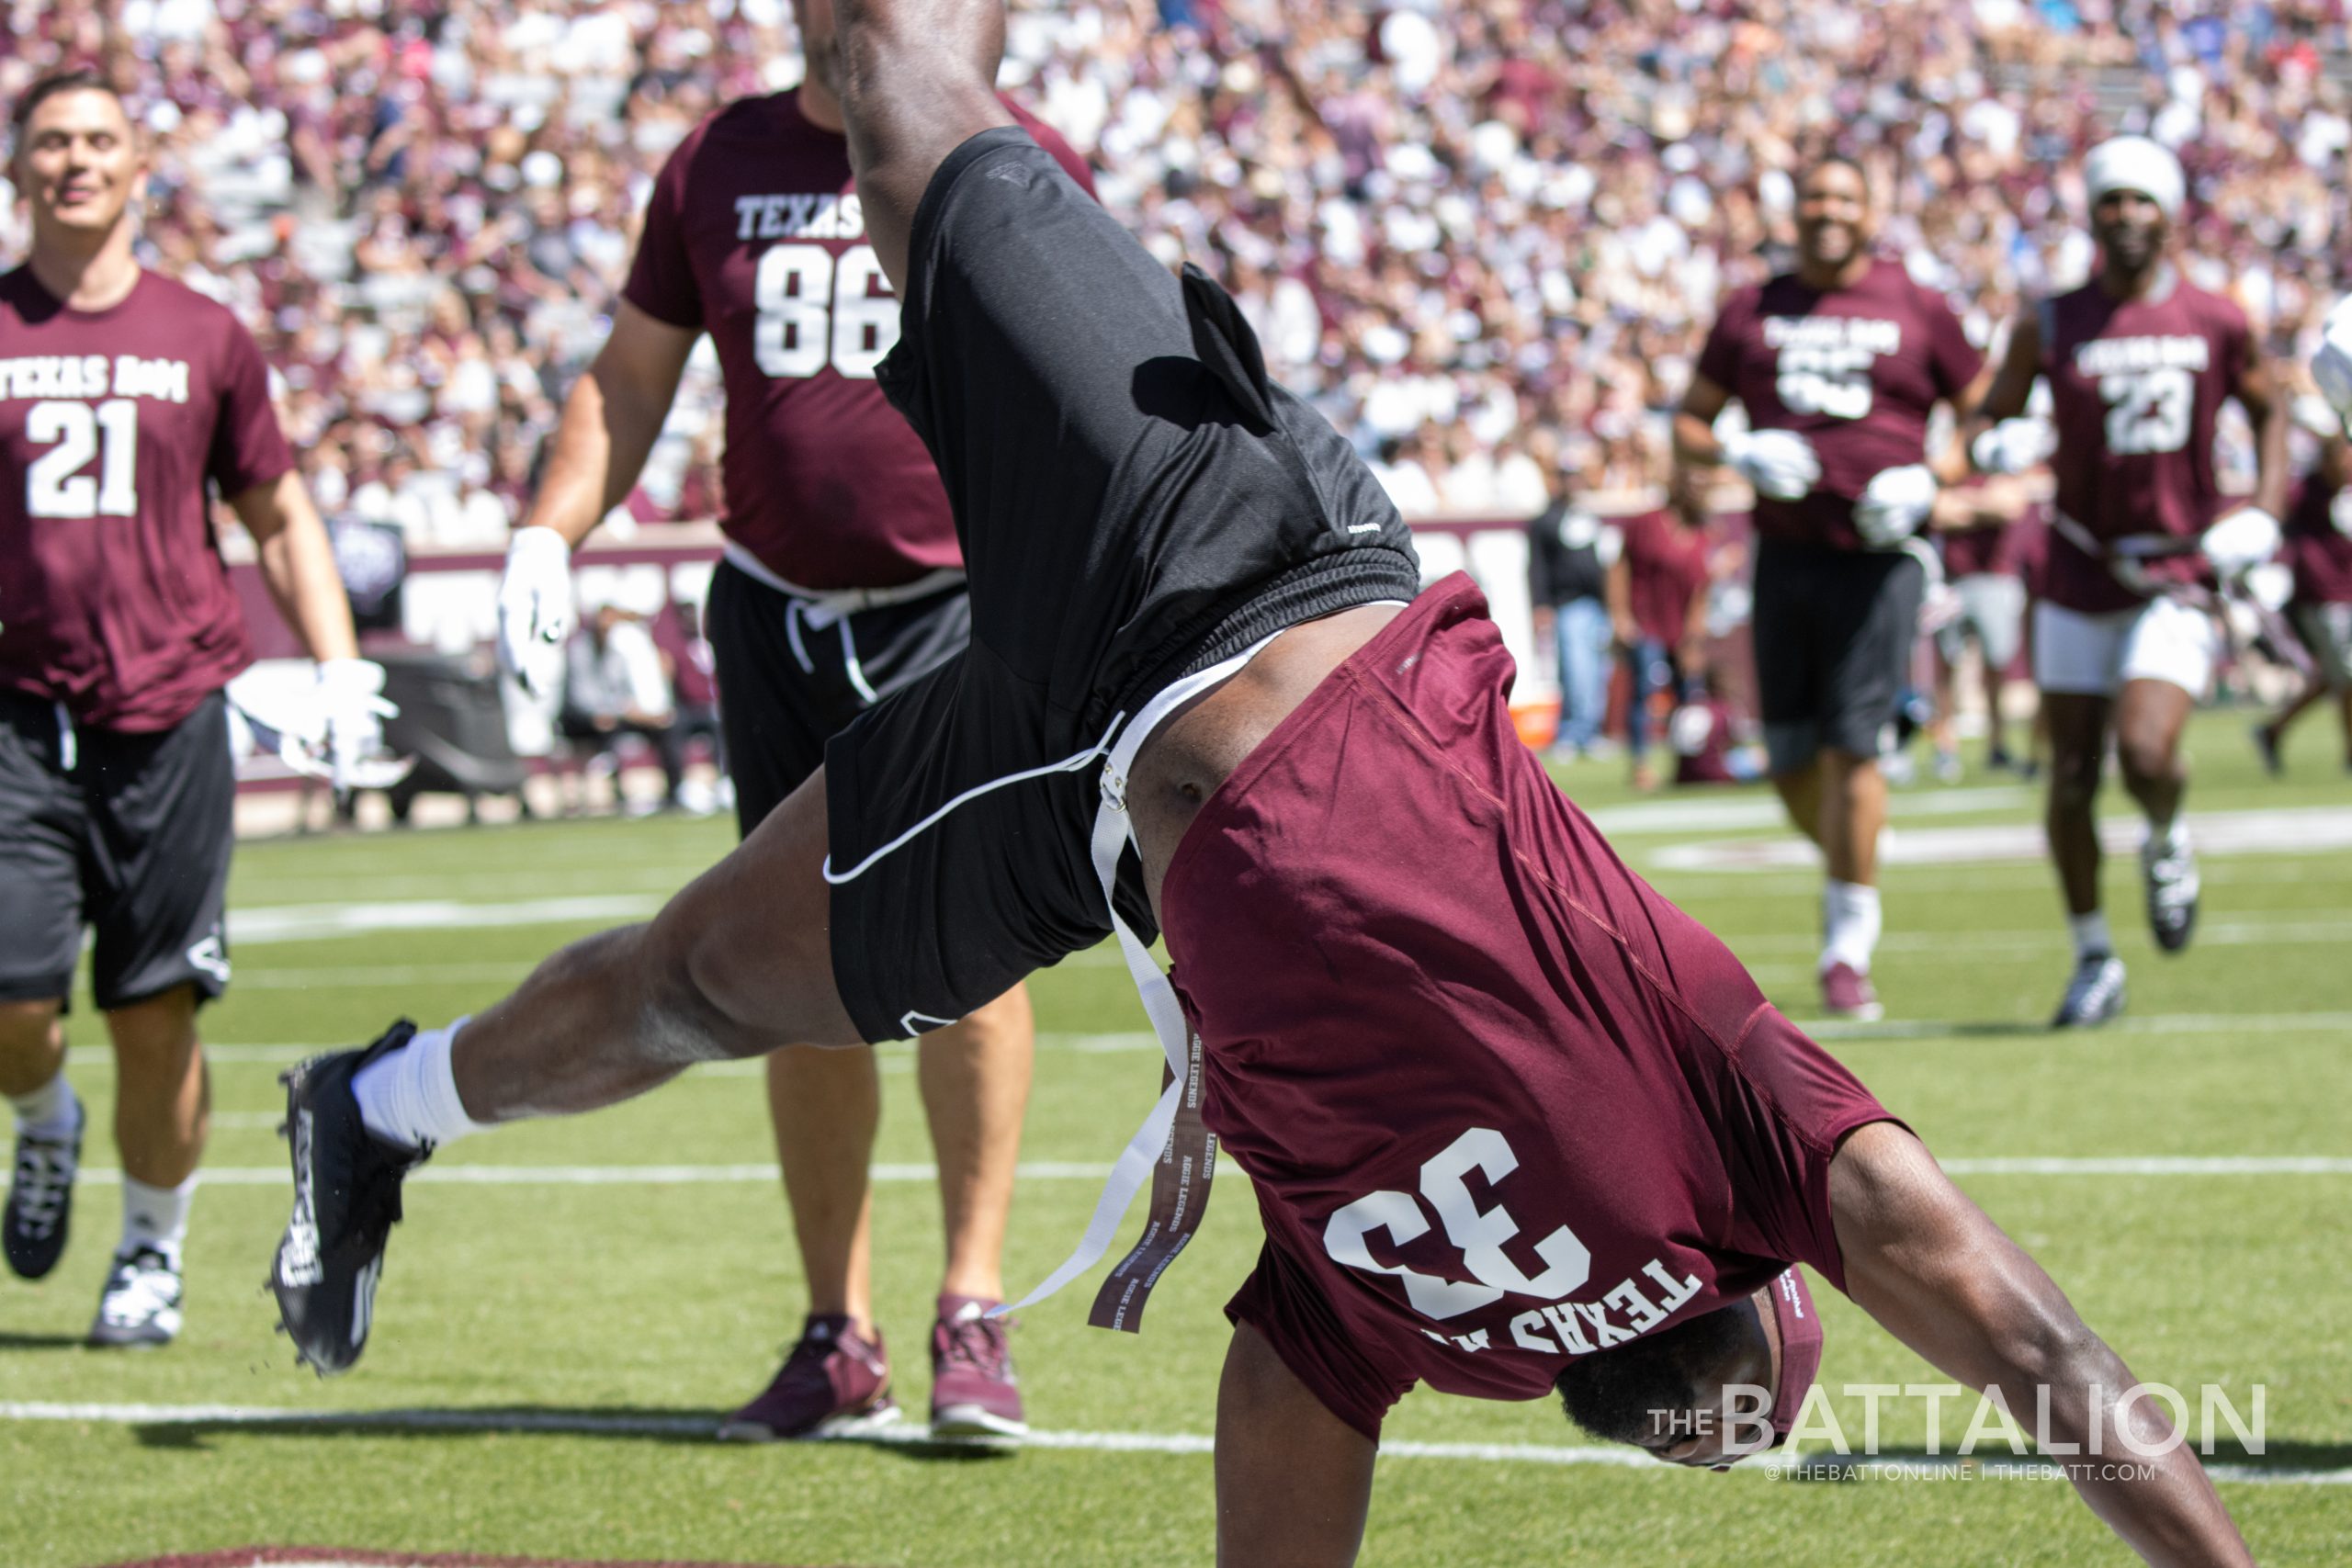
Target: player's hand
535 609
1779 463
2242 541
2332 364
352 711
1896 504
2012 446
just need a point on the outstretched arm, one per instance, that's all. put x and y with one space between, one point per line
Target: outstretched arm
1941 1277
918 81
1293 1481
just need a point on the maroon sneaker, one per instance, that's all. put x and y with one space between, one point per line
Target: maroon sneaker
974 1393
1846 993
836 1383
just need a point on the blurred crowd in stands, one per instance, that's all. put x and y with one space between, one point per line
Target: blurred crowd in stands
1485 236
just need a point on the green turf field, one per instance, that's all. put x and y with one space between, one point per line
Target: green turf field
557 1346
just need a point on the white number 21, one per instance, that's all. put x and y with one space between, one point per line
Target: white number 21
54 483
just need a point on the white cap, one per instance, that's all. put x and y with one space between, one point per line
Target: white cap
2135 162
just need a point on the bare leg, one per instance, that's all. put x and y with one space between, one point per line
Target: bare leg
2343 712
918 79
163 1105
1293 1482
32 1044
2149 718
737 963
825 1106
1800 793
2077 753
974 1092
1853 809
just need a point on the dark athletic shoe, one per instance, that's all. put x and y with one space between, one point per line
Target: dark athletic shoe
346 1199
2094 994
2265 746
2172 896
40 1197
974 1391
1846 993
140 1308
836 1383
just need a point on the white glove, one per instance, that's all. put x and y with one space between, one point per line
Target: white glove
1779 463
1895 505
2242 541
352 711
2331 364
2012 446
2339 512
535 609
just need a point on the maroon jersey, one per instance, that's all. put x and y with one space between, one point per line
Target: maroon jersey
2317 550
2136 388
1666 567
1502 1104
113 596
1856 370
756 235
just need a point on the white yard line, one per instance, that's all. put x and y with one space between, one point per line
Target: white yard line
2284 830
1087 1170
1999 1464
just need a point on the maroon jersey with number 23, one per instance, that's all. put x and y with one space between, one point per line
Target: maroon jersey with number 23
1856 370
114 600
756 235
2136 387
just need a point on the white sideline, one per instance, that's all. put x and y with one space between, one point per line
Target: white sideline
1999 1464
1071 1171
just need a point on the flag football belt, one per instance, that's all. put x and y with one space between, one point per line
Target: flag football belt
2125 559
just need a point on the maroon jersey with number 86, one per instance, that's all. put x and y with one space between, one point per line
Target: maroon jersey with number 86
755 234
114 600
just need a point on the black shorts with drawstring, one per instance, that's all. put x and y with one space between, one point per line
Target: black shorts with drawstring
1136 502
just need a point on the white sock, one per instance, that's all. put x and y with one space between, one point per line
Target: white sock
2090 934
1850 921
48 1110
2167 837
156 1217
409 1097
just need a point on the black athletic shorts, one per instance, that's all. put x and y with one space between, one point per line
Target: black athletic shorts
128 833
791 677
1833 633
1135 500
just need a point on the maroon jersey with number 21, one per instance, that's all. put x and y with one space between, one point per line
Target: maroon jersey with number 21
1856 370
755 234
2136 387
113 597
1502 1103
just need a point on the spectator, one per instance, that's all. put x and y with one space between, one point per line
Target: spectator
614 685
693 691
1658 612
1569 554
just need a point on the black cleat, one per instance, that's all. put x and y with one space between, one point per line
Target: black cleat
2094 994
346 1199
40 1199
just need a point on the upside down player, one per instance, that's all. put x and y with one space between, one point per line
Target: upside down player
841 582
1482 1015
2125 634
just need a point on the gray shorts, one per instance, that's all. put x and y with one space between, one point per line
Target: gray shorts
1992 610
2326 631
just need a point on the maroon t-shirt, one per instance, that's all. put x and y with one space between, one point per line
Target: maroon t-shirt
1666 565
2319 553
1501 1102
2136 388
756 235
1856 370
114 600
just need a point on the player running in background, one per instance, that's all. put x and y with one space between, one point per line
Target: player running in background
1974 525
842 583
1415 983
1839 365
1657 590
2318 550
126 401
2125 634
